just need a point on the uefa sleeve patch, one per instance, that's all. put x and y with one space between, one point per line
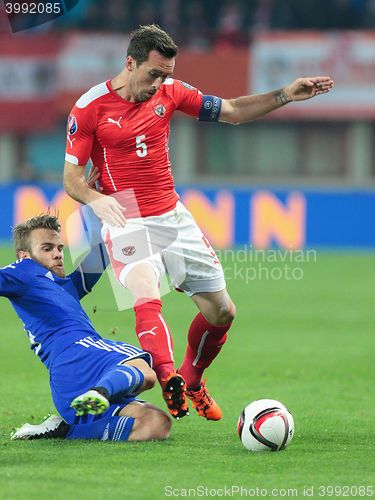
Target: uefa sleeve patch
188 86
210 109
72 125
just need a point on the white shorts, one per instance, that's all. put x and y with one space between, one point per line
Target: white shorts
171 243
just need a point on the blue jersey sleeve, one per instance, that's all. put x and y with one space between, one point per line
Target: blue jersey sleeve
12 279
89 271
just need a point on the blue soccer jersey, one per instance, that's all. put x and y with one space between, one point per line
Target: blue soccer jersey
48 305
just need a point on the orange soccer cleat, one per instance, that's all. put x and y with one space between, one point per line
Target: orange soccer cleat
174 388
205 405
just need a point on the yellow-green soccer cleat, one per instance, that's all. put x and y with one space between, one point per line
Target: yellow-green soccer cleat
91 402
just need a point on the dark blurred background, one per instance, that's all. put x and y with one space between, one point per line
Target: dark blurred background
208 24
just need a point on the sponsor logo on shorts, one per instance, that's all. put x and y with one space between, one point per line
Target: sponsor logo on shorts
128 251
160 110
72 124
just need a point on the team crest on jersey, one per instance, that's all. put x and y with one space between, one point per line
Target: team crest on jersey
188 86
160 110
72 125
128 251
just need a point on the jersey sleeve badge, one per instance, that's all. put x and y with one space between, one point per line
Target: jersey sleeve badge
72 124
188 86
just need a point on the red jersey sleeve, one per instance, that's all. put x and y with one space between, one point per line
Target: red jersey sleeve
80 134
187 99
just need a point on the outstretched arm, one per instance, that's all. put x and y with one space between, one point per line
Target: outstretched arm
89 271
248 108
14 278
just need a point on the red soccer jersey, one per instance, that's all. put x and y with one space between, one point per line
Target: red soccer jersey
128 143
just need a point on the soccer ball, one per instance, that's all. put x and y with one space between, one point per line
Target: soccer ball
265 425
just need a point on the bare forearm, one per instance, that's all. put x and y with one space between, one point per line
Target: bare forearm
77 187
106 208
248 108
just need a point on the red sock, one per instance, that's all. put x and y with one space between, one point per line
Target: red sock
154 335
204 344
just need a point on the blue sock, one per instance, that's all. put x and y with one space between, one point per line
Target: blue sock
121 381
105 429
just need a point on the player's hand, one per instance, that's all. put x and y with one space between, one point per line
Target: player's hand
109 210
305 88
92 177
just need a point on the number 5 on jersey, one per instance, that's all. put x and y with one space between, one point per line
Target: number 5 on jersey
141 146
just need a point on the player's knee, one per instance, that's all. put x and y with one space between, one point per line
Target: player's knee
143 282
144 288
150 379
154 424
225 313
231 312
161 425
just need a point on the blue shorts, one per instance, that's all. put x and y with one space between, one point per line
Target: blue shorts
81 365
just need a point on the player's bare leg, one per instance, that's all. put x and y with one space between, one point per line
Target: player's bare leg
154 335
207 334
150 422
217 307
137 421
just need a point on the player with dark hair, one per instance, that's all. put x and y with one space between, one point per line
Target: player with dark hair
123 124
94 381
148 38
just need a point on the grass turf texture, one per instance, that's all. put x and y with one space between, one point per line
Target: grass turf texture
306 342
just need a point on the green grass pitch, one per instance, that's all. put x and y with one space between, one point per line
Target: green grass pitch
308 342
